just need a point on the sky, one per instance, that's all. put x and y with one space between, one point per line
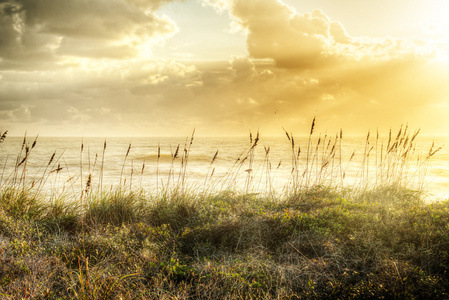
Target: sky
222 67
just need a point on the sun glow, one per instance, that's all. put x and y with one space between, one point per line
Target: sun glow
226 64
438 25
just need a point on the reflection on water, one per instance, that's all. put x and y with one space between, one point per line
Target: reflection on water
150 162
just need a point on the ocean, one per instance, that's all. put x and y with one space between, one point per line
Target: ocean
269 166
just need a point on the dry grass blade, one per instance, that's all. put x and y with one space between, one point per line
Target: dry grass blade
191 139
214 158
415 135
256 140
51 158
286 133
176 152
431 149
313 126
88 184
34 142
352 155
399 134
433 152
3 136
22 161
267 150
57 170
127 151
24 140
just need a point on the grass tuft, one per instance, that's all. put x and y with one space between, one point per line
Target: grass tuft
20 204
113 208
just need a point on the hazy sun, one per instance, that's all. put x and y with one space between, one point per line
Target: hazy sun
439 23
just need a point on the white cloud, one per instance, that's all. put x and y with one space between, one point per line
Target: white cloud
276 31
218 5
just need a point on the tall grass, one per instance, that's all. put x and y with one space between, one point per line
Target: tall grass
398 164
320 164
340 227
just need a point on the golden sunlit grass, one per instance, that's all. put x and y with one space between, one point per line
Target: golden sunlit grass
322 236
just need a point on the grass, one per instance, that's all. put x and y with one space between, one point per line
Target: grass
319 238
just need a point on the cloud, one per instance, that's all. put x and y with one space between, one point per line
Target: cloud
218 5
298 66
93 48
243 69
45 30
168 97
318 69
98 98
276 31
312 40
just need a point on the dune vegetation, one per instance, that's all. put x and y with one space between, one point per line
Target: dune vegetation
316 239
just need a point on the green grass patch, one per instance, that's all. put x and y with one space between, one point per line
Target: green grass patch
226 246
